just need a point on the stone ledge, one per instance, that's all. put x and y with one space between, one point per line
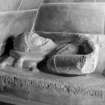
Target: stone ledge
77 1
54 89
71 17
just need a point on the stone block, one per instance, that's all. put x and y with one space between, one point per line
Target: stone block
8 5
72 1
30 4
73 18
53 90
62 1
12 5
100 0
14 23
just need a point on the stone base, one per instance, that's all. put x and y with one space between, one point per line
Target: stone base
52 89
11 100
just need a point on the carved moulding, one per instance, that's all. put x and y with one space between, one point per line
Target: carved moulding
51 89
72 1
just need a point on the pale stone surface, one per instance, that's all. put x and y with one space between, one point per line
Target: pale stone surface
32 42
83 61
53 90
8 5
101 61
99 40
30 4
30 48
74 18
79 1
49 88
13 5
83 18
20 58
14 23
62 1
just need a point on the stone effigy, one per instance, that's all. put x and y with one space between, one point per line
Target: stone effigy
60 59
78 54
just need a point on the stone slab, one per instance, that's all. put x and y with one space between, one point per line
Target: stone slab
12 5
11 100
14 23
30 4
100 0
8 5
53 89
72 17
79 1
99 39
62 1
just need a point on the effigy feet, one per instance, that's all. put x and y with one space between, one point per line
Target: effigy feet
78 57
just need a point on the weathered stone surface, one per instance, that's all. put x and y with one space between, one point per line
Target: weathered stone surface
74 18
100 0
21 60
8 5
101 60
65 37
63 1
30 4
53 20
79 1
71 64
32 42
13 5
54 90
14 23
79 60
20 43
31 49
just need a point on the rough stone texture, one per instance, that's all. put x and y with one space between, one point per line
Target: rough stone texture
79 1
83 18
62 1
48 88
70 64
8 5
30 4
64 37
20 58
74 18
32 42
54 90
14 23
13 5
20 43
84 60
101 61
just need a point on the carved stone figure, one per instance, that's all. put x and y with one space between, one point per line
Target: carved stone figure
61 40
28 50
79 56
